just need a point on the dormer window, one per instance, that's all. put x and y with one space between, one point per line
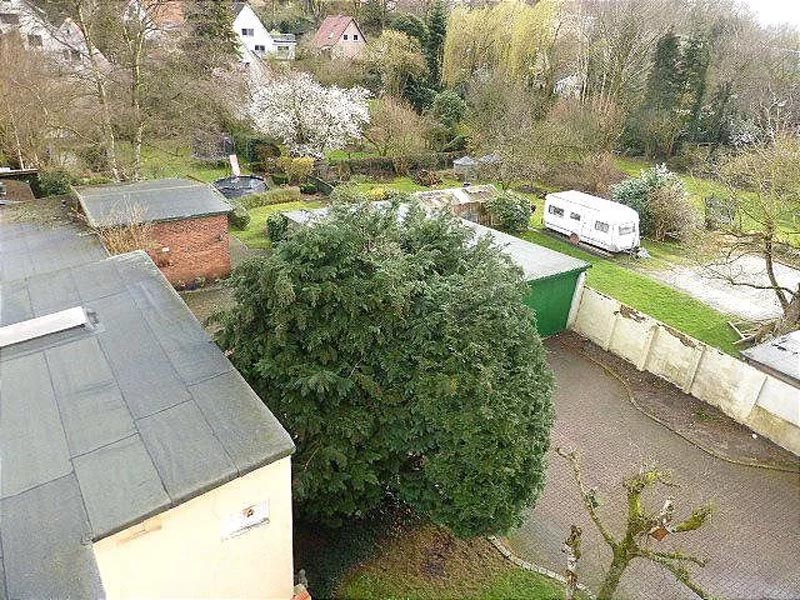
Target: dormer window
249 32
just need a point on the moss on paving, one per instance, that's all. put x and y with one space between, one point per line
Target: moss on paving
429 563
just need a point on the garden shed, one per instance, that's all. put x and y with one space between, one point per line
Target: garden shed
465 167
555 280
187 233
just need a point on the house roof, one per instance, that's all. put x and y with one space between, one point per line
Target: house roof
149 201
332 29
106 425
237 7
781 356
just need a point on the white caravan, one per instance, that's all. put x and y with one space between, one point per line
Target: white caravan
583 218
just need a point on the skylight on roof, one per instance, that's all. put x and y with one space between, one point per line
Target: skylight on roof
32 329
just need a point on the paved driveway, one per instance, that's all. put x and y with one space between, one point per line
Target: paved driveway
753 539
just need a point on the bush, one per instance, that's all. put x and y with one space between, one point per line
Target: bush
55 182
273 196
277 227
309 187
427 178
661 201
280 178
347 194
239 218
296 168
509 212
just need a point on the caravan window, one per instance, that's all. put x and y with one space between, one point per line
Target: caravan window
575 216
600 226
626 229
554 210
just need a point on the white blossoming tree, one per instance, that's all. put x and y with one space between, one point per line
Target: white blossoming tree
307 116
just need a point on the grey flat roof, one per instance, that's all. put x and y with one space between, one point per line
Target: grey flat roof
149 201
536 262
28 249
104 427
781 355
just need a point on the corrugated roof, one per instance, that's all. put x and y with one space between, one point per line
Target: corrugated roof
149 201
781 355
104 427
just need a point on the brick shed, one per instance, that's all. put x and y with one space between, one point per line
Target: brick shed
188 223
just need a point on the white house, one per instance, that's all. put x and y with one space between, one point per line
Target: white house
64 43
256 39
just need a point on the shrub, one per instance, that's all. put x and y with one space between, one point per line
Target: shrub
510 212
296 168
277 227
661 201
347 194
55 182
274 196
427 178
309 187
280 178
239 218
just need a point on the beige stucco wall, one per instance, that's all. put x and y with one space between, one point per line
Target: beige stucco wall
349 48
182 553
767 405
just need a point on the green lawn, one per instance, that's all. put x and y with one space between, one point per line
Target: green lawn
254 236
405 184
428 563
673 307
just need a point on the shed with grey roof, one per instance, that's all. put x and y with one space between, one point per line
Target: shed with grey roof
108 424
188 220
779 357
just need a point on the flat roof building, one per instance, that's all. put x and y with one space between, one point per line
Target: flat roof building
779 357
188 225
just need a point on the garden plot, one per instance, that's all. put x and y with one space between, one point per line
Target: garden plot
708 284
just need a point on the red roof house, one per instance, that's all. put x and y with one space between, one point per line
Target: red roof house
341 36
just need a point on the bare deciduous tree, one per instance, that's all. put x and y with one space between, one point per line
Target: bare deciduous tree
642 524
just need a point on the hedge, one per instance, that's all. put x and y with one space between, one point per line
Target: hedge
377 166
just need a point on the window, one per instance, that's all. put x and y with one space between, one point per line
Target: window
355 37
575 216
345 37
248 32
600 226
260 48
35 41
283 48
9 19
626 229
554 210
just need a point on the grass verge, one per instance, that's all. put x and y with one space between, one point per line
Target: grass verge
254 235
428 563
673 307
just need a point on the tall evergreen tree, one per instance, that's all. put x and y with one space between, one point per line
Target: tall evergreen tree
666 81
211 38
434 49
694 71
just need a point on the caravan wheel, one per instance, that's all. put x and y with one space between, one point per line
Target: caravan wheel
574 238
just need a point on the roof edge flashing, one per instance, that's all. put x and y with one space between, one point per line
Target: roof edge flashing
38 327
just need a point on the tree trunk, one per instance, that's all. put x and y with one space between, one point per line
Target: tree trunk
614 574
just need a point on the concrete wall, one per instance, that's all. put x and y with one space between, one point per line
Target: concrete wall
184 552
764 403
192 248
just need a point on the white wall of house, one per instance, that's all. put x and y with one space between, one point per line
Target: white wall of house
187 552
65 43
350 43
257 39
